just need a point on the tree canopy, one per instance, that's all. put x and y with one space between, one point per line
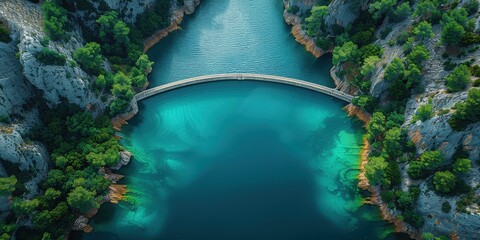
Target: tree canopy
375 170
467 112
423 31
55 20
7 185
458 79
344 53
90 58
444 182
316 20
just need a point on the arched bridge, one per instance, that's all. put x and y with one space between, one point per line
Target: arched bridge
243 76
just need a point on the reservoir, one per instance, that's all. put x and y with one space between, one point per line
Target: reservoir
240 159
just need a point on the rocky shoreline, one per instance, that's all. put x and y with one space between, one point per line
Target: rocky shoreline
177 18
300 34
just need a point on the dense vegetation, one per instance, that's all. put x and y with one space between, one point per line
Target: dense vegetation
55 20
79 145
153 19
356 57
115 41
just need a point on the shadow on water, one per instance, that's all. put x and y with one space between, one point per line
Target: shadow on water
266 195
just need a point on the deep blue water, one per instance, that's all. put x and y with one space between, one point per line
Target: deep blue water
240 160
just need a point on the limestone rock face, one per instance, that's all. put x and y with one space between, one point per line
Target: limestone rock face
437 221
343 12
55 82
29 157
15 94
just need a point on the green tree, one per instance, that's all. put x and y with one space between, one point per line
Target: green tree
55 179
144 64
375 170
424 112
418 54
376 126
458 15
22 207
402 12
467 112
138 77
444 182
316 21
52 194
413 75
427 10
7 185
452 33
81 124
431 159
423 31
393 142
82 199
55 20
369 65
462 165
120 33
458 79
5 236
101 81
365 102
380 7
395 70
344 53
106 24
90 58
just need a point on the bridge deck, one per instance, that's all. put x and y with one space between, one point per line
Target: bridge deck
243 76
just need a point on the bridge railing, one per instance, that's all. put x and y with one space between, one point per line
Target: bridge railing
243 76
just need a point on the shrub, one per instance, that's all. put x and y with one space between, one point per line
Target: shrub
55 20
344 53
90 58
475 70
424 112
444 182
468 111
458 79
49 57
401 12
462 165
423 31
476 83
446 207
452 33
375 171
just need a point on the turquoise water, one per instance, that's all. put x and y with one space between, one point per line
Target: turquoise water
240 160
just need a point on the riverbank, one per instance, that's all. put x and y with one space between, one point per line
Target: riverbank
375 193
177 18
300 34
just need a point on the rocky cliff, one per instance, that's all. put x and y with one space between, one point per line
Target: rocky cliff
24 79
